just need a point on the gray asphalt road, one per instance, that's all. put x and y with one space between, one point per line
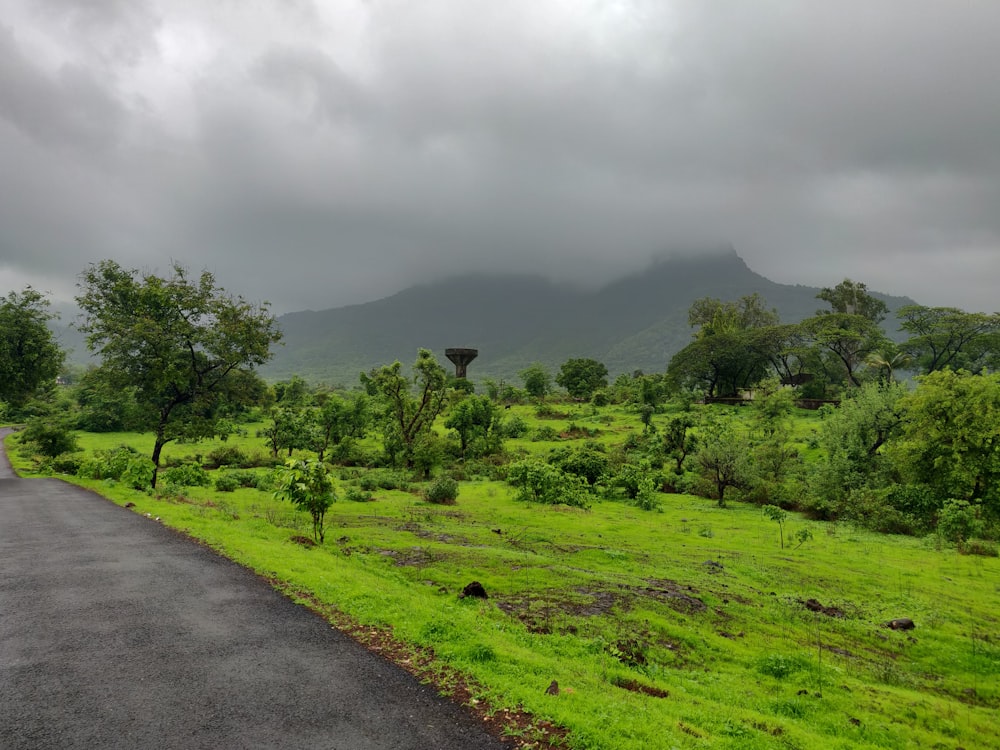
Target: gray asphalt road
118 633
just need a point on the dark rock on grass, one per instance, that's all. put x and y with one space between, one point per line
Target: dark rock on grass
303 540
813 605
553 688
901 623
474 589
712 566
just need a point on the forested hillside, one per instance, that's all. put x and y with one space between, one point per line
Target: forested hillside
637 322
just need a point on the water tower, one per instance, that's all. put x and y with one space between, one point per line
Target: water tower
461 358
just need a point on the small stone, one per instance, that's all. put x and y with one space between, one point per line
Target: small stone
901 623
553 688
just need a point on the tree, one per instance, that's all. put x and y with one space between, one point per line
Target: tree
309 486
537 380
184 345
338 419
407 416
853 438
539 482
723 460
845 341
947 337
479 425
289 428
950 442
852 298
581 377
29 355
679 441
728 355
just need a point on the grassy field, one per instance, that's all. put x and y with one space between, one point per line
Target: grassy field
689 627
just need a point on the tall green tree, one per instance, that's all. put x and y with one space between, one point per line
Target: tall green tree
183 344
730 352
582 376
478 422
408 406
951 441
853 298
340 418
845 342
537 380
948 337
29 355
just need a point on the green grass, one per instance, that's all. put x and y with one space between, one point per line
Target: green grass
697 604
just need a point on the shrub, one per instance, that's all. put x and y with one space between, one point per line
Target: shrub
515 427
543 434
442 491
357 495
66 463
187 475
107 464
225 455
138 473
539 482
958 520
50 435
226 483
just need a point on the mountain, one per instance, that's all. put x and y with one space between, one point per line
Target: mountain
636 322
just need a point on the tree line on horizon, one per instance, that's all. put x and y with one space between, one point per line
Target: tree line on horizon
178 358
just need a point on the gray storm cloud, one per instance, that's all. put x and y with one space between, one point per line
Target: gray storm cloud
323 154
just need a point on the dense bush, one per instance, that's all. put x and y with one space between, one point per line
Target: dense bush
442 491
49 435
226 483
187 475
226 455
108 464
539 482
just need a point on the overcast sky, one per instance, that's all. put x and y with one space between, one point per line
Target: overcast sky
317 154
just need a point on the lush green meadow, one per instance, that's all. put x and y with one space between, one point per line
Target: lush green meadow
688 627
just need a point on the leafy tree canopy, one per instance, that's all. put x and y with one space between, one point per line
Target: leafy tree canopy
29 355
948 337
852 298
581 377
184 345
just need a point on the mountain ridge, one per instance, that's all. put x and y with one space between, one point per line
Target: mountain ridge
635 322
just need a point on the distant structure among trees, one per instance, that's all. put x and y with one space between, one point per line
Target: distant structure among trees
461 358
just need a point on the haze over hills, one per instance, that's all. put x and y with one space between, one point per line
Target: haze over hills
636 322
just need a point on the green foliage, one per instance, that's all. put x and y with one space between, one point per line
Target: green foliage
959 521
780 666
478 422
339 419
539 482
638 482
723 460
407 416
582 376
50 434
852 298
289 428
588 463
679 440
843 343
442 491
779 516
950 440
105 407
515 427
30 359
226 455
537 380
184 346
226 483
943 337
309 487
853 438
186 475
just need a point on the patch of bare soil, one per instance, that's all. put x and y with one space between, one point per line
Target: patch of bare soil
512 726
637 687
814 605
303 540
